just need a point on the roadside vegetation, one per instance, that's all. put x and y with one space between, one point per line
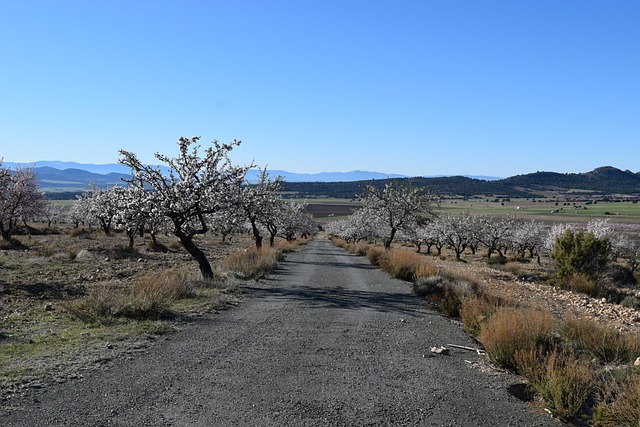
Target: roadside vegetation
582 370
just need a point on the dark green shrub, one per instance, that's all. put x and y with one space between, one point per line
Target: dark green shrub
631 302
580 252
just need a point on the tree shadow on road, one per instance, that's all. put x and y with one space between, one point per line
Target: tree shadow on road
337 297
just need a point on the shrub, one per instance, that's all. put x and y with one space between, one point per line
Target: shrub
580 283
565 384
253 263
631 302
376 255
580 252
476 311
79 232
509 331
601 341
446 292
406 265
426 269
620 405
151 298
101 306
427 286
153 295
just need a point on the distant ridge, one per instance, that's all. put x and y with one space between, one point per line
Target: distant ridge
252 175
606 180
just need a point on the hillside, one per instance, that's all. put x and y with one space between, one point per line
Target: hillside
601 181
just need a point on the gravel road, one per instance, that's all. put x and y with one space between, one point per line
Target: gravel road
325 340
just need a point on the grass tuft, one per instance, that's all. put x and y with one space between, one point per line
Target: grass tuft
406 265
511 330
601 341
620 404
252 263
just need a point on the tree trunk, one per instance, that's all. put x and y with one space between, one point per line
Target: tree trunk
6 233
195 252
388 240
130 234
256 235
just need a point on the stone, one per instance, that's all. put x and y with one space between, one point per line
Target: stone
440 350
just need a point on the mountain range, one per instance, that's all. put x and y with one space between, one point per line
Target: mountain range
72 176
55 176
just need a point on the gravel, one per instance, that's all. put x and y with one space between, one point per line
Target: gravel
325 340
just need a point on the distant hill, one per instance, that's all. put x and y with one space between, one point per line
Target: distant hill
605 180
70 173
601 181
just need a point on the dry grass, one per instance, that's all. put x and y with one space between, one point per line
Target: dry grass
511 330
406 265
252 263
601 341
285 246
565 385
377 255
620 405
101 306
477 310
151 298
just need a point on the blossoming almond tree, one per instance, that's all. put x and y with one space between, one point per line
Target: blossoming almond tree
194 188
398 205
19 198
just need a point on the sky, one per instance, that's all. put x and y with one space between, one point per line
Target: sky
420 88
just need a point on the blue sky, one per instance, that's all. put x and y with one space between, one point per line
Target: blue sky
486 87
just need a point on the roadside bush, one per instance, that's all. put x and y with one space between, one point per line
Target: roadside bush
376 255
631 302
565 384
151 298
79 232
476 311
580 252
514 268
153 295
406 265
509 331
447 292
101 306
253 263
580 283
601 341
620 403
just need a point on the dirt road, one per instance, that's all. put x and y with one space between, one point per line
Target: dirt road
326 340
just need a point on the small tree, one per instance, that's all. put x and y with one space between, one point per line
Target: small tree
397 206
19 198
258 201
579 251
194 188
100 205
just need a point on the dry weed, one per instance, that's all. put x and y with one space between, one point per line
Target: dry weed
509 331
